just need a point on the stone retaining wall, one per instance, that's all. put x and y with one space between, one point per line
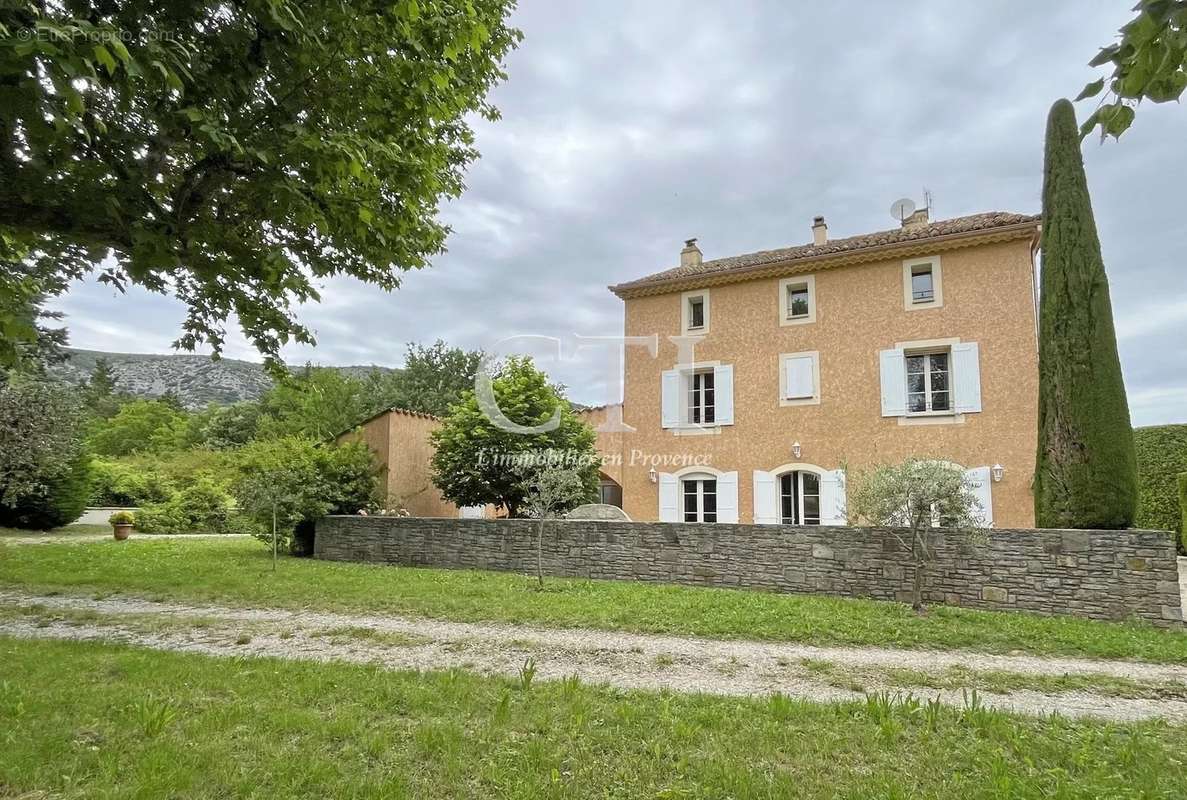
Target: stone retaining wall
1098 574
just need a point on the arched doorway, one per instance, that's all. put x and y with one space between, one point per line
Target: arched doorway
609 491
799 497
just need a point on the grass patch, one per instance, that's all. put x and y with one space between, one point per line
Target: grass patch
359 633
1003 682
238 572
65 531
112 721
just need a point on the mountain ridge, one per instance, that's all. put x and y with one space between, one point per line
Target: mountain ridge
197 380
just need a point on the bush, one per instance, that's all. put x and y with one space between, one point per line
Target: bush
121 518
204 507
1162 455
59 502
300 480
1183 506
116 483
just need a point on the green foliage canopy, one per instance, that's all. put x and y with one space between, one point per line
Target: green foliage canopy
1149 62
476 462
1085 474
434 378
141 426
235 153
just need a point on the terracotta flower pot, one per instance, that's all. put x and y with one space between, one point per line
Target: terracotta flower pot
122 531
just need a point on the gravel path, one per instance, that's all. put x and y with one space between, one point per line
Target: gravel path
624 660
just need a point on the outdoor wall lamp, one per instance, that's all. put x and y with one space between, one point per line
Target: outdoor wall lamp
997 470
653 475
796 450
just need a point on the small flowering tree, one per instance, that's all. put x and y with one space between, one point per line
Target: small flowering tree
916 495
549 491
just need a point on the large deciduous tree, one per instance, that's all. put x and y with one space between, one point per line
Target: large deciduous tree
1149 62
1085 475
479 461
434 378
232 154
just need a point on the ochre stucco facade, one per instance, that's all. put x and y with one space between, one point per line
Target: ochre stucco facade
400 442
988 290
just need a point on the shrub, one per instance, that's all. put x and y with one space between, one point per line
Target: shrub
1183 507
300 480
204 507
60 500
116 483
44 469
121 518
1162 454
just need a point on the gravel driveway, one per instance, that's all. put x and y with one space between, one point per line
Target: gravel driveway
623 660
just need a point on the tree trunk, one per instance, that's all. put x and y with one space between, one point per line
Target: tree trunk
540 553
919 554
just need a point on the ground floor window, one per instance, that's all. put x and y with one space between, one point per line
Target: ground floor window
700 499
799 494
610 493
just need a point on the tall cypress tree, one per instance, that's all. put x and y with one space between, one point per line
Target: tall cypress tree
1086 474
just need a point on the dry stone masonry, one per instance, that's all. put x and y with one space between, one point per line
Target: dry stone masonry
1099 574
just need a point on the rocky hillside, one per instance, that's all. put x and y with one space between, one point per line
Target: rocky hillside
196 380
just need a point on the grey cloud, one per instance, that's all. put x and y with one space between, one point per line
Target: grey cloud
628 127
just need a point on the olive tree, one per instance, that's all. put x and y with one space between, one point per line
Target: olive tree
549 490
908 500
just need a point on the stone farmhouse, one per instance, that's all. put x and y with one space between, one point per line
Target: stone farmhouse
779 373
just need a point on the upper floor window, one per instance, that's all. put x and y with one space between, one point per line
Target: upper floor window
929 387
799 378
936 377
797 300
701 401
697 398
695 312
922 283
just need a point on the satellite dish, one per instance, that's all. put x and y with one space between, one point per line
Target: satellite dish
901 209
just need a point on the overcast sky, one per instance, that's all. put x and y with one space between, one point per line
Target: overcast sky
628 127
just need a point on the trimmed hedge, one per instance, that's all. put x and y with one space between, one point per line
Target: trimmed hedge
1183 504
1162 455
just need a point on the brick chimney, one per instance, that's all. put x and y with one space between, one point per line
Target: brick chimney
916 220
690 256
819 231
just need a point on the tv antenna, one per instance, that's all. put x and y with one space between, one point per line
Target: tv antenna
901 209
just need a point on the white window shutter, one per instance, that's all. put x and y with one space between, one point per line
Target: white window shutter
800 378
727 497
966 377
832 497
723 394
980 484
893 368
766 499
669 498
670 397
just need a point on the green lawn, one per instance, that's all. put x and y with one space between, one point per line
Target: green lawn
66 531
237 571
105 721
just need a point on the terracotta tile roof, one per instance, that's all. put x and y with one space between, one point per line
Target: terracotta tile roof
958 226
393 410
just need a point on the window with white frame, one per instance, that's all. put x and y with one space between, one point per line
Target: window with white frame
929 386
702 405
797 300
799 498
697 398
799 378
922 283
699 499
935 377
694 313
